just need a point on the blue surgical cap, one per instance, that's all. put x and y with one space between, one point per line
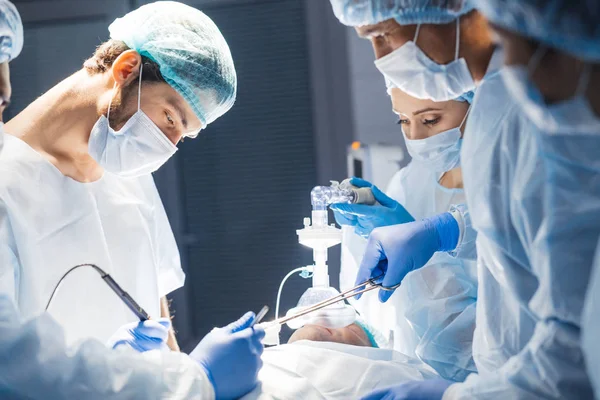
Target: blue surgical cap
11 31
468 97
405 12
567 25
192 54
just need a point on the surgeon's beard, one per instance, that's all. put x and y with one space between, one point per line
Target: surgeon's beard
123 106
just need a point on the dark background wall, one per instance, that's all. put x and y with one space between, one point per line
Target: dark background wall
236 194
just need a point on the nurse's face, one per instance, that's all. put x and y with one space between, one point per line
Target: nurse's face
556 75
421 119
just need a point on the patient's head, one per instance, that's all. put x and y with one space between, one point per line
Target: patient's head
352 334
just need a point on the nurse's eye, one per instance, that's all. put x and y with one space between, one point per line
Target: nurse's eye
403 121
169 118
431 121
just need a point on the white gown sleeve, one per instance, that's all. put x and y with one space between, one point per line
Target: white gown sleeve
9 262
36 364
170 272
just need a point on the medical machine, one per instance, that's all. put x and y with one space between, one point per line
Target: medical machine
320 304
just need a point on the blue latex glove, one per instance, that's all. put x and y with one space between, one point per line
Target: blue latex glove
364 218
142 336
432 389
231 357
399 249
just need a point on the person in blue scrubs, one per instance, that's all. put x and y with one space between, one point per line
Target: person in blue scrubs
534 199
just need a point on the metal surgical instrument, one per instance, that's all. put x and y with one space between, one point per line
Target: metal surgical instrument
366 286
261 314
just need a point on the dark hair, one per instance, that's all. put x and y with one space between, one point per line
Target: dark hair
107 53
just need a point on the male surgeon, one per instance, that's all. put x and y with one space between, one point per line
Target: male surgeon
75 174
36 363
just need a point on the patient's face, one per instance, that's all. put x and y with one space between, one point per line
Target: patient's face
351 334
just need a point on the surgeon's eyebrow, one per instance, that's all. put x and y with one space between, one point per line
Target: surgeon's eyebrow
179 111
426 110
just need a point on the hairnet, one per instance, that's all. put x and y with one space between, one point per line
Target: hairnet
405 12
570 26
193 56
11 31
375 337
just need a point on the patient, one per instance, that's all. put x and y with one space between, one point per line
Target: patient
353 334
341 363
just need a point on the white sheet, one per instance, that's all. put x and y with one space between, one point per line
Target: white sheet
322 370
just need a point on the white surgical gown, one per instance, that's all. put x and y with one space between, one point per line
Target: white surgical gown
535 203
322 370
50 223
36 364
432 315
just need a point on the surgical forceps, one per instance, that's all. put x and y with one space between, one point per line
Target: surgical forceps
356 290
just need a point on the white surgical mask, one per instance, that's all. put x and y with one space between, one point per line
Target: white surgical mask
439 153
574 115
408 68
138 148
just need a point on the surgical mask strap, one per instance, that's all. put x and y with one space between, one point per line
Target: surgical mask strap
140 87
139 94
584 77
535 60
457 45
465 117
416 33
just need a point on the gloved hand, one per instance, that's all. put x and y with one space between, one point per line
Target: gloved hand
231 357
142 336
364 218
432 389
396 250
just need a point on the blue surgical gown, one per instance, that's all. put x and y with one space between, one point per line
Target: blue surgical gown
534 199
591 326
432 315
35 363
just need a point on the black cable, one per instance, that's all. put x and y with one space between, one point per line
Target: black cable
125 297
100 270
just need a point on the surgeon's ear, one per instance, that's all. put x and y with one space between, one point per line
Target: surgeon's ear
126 67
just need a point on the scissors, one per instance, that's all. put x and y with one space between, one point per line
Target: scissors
366 286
